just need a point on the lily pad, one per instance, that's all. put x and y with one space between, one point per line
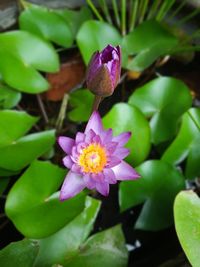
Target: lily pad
65 243
100 35
13 125
20 153
46 23
157 188
124 118
34 207
21 253
81 102
107 246
187 223
187 144
19 65
9 98
156 100
143 42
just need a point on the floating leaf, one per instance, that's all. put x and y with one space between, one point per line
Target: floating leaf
187 144
80 100
100 34
156 100
21 253
33 206
107 246
123 118
148 42
157 188
19 64
65 243
46 23
9 98
187 223
75 18
13 125
22 152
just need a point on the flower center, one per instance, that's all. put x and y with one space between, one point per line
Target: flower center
93 158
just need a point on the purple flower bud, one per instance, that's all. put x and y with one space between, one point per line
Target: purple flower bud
103 71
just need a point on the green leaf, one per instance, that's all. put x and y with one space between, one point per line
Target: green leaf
95 35
65 243
81 101
123 118
187 144
46 23
157 188
3 184
106 249
22 152
156 100
22 45
187 223
7 173
33 206
148 42
75 18
21 253
13 125
20 60
9 98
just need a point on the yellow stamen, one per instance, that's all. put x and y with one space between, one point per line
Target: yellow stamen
93 158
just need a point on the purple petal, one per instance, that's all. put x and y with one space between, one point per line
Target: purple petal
67 161
72 185
103 188
121 152
76 168
122 139
66 143
89 182
124 171
109 176
94 123
106 136
98 177
113 161
93 66
80 137
110 147
89 136
106 54
96 139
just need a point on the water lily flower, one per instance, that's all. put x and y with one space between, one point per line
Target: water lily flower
95 159
103 71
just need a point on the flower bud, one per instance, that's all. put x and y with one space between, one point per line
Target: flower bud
103 71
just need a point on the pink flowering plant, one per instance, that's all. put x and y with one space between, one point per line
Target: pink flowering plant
95 157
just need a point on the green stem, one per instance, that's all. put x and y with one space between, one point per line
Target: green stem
190 16
193 119
42 108
165 7
134 15
143 10
153 9
97 101
116 12
62 113
96 12
178 9
123 17
105 10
